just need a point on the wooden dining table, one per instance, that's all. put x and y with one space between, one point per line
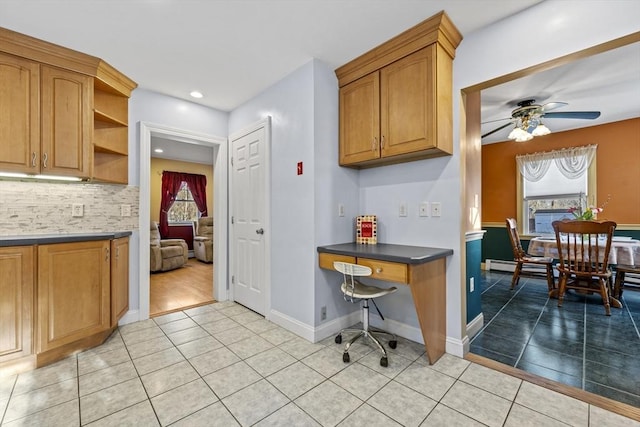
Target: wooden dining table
624 250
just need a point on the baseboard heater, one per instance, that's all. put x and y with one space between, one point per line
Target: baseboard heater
510 266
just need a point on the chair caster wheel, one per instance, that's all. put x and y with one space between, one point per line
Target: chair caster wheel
384 362
345 357
393 344
338 339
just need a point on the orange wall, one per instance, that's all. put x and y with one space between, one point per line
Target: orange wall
159 165
618 169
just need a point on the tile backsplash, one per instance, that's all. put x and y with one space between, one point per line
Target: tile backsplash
45 208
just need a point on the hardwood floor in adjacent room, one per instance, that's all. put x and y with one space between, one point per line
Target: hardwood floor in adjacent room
189 286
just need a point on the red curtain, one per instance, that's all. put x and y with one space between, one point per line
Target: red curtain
171 182
198 187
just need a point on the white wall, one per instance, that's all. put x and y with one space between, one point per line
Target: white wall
151 107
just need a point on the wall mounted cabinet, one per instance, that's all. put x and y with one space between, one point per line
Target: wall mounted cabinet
396 100
65 113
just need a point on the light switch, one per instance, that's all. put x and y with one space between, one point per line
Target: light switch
340 209
424 209
402 210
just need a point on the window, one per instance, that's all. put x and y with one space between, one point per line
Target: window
551 183
184 208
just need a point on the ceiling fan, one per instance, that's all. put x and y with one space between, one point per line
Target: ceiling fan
527 119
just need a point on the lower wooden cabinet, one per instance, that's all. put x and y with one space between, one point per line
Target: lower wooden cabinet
73 292
119 278
16 302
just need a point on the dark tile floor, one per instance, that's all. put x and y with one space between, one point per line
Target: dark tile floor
575 344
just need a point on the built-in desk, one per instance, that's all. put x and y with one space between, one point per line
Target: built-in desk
422 268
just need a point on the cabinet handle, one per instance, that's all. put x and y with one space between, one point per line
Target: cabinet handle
44 160
374 143
382 142
106 254
117 252
33 159
378 270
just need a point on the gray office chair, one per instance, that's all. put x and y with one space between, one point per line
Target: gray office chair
354 291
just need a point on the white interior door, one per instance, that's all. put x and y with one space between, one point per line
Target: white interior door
249 267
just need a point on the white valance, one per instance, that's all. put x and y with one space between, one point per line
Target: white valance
571 162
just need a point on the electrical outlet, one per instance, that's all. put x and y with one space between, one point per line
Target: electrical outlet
436 209
340 209
424 209
125 210
402 210
472 284
323 312
77 209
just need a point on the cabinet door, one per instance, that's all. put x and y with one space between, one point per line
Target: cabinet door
67 122
73 292
119 279
16 302
19 114
408 104
360 120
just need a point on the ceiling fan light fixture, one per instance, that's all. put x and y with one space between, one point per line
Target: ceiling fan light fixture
520 135
541 130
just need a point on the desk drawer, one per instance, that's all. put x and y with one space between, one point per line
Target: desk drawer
326 260
385 270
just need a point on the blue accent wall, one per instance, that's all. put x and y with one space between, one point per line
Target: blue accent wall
474 302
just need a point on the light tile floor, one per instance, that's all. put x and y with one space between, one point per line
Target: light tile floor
223 365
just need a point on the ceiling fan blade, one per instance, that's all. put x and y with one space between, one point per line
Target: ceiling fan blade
497 120
553 105
496 129
590 115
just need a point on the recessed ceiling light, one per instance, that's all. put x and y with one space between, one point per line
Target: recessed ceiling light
196 94
159 150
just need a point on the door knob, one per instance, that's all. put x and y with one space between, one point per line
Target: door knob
260 231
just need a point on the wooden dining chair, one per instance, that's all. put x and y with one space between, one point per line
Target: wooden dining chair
583 249
621 272
522 259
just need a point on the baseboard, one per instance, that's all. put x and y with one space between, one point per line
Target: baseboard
292 325
457 347
129 317
475 325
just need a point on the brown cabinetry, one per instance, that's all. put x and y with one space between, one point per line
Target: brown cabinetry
119 279
19 114
73 292
65 113
16 302
66 122
396 100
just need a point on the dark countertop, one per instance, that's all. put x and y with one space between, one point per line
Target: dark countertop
44 239
388 252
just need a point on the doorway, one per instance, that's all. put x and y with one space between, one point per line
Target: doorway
147 131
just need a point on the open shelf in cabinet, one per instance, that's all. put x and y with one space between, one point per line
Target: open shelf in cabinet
110 167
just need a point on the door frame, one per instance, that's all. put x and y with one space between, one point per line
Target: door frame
266 124
220 197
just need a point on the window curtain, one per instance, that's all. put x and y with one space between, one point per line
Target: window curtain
571 162
171 182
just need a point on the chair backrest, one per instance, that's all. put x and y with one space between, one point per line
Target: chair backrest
204 227
514 238
349 271
154 234
584 246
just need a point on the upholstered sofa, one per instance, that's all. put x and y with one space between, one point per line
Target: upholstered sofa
203 239
166 254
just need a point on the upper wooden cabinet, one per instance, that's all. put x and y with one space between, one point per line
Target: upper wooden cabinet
396 100
65 113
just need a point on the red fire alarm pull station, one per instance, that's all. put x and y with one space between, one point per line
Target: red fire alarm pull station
299 168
